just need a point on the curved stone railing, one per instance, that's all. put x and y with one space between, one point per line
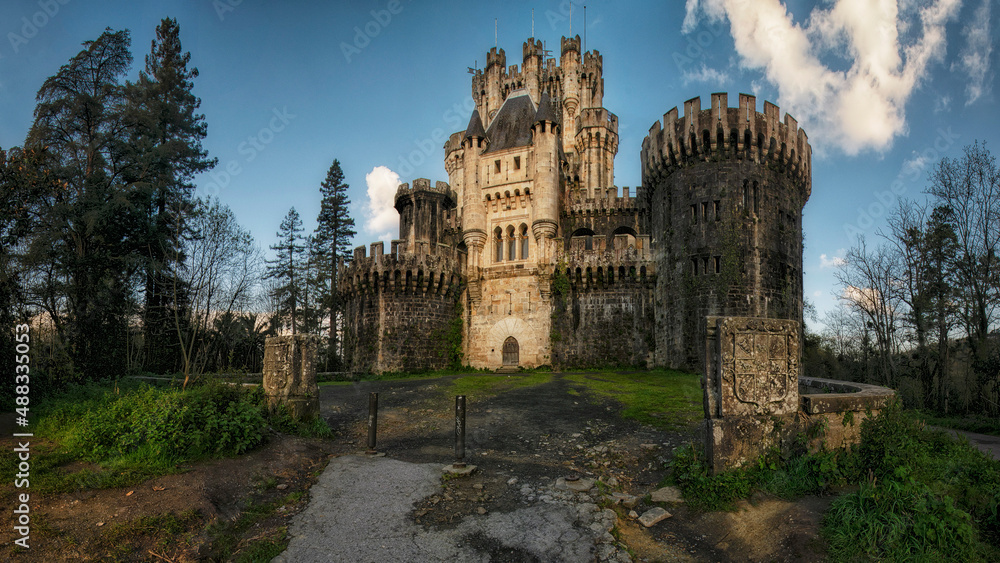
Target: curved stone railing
841 396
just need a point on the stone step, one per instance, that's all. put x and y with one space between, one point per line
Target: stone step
508 369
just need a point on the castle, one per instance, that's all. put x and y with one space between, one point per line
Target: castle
530 255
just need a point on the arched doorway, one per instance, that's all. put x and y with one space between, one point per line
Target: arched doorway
510 351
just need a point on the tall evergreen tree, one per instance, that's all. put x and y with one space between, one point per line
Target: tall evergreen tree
287 267
165 135
86 216
333 236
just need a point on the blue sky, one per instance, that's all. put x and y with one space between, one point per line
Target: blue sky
883 89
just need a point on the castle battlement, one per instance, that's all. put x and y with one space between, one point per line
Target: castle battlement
597 117
593 61
592 269
423 270
422 185
531 48
496 57
605 201
569 44
725 132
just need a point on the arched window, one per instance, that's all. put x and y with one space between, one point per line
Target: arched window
524 242
498 237
511 244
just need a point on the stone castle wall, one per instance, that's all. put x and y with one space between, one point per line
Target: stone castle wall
400 309
603 324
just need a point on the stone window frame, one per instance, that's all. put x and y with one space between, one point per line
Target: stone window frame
498 245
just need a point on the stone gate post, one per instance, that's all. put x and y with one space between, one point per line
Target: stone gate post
290 374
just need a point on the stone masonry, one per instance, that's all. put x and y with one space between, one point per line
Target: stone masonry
530 255
290 374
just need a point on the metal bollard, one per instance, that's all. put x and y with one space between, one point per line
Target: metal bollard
459 431
372 421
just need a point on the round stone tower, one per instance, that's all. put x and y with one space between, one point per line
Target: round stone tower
726 187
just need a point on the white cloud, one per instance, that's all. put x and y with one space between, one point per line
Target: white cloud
705 74
975 57
858 108
817 293
942 104
381 216
914 166
832 262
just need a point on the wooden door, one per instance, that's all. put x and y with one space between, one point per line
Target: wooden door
510 352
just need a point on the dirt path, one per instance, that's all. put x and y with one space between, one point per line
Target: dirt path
524 440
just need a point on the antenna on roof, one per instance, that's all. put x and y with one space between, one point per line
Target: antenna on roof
584 28
532 23
571 19
495 32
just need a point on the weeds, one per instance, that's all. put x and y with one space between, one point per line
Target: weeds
921 495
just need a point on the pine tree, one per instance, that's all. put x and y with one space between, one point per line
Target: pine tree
166 136
286 268
333 241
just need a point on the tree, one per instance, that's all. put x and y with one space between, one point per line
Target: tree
165 137
219 273
286 268
333 236
923 242
969 188
85 214
870 287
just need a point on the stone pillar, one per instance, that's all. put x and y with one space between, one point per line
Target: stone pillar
751 387
290 374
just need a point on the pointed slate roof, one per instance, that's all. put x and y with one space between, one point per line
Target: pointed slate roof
475 128
512 125
546 111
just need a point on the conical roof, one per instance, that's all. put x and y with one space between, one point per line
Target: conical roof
546 111
475 128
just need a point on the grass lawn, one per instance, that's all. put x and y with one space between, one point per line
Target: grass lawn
662 398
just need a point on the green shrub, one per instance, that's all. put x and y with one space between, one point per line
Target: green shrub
101 424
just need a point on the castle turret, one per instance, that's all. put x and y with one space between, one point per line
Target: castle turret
531 66
474 215
570 70
423 213
548 187
596 147
496 61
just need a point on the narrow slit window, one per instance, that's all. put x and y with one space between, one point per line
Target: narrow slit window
496 166
694 266
718 264
517 163
718 210
694 214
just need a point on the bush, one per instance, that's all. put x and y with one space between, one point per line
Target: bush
100 423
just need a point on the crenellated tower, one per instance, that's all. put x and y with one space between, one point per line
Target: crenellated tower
727 187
